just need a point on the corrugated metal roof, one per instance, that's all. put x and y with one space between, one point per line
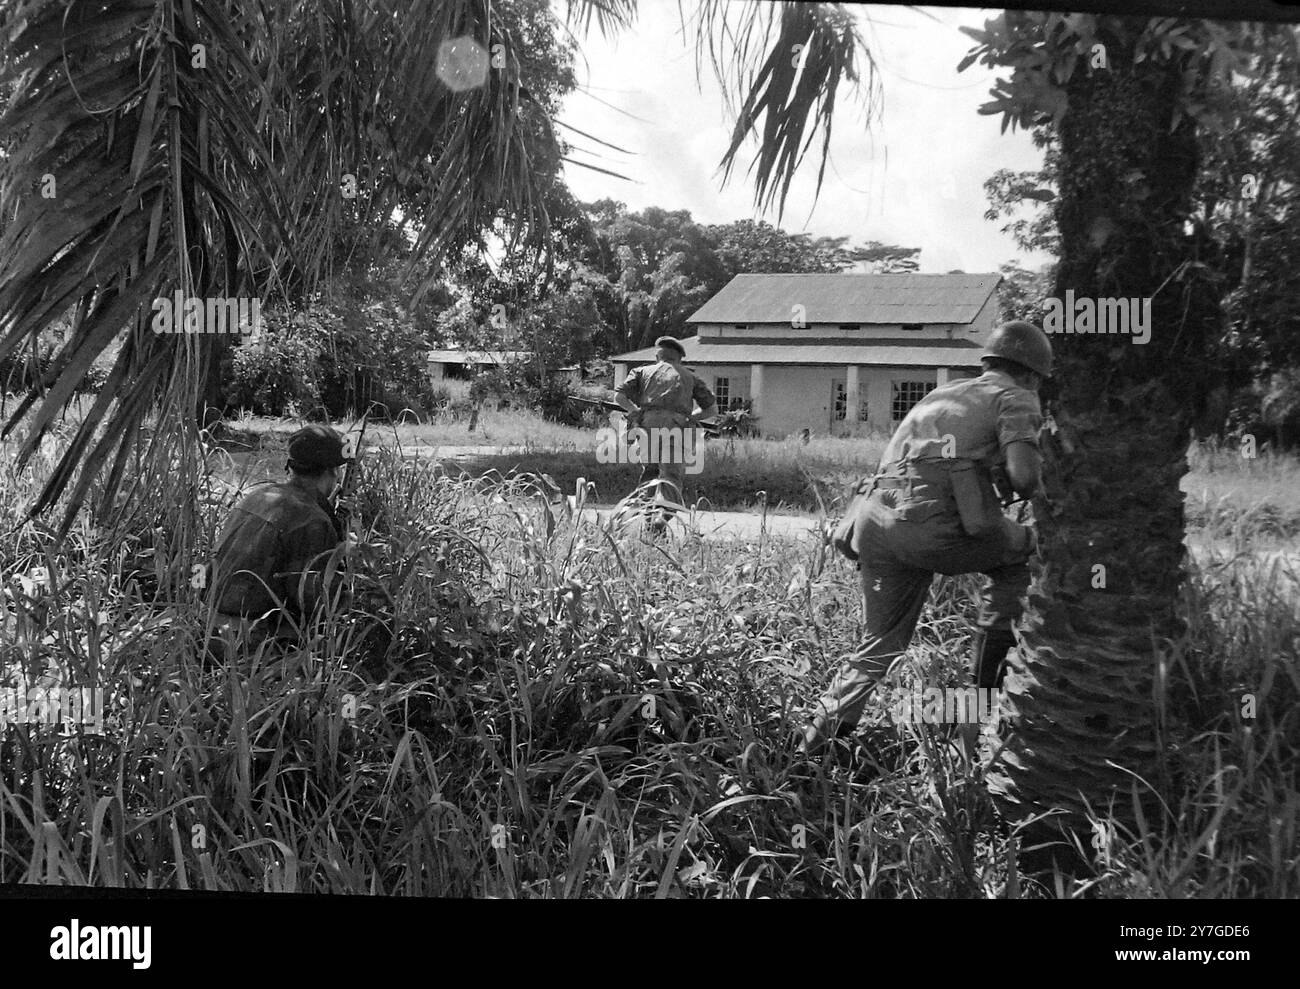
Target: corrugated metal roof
850 298
878 353
476 356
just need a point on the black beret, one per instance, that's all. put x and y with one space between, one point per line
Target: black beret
316 448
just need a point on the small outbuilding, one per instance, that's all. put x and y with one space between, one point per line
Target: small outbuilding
463 364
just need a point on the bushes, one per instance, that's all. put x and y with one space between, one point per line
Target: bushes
278 369
524 385
332 359
372 353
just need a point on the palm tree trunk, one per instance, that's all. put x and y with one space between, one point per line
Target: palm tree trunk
1103 605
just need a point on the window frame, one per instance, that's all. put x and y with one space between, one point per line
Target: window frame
840 402
899 389
722 387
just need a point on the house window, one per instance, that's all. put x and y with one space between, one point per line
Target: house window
841 402
722 392
862 406
906 395
913 326
741 326
850 326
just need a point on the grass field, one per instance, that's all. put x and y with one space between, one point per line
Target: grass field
517 705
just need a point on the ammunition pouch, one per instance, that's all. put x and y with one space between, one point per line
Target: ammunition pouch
844 537
977 502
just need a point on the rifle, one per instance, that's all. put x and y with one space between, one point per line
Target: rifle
352 471
710 428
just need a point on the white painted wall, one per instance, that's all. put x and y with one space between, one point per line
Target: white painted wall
738 376
798 398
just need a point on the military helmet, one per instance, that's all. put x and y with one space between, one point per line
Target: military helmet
1023 343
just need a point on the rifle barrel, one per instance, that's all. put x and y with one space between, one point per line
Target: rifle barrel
710 428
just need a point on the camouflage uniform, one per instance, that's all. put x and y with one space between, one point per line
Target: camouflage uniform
908 527
667 396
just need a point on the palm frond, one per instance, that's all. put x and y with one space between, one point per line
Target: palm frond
783 65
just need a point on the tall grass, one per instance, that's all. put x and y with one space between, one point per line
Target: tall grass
517 703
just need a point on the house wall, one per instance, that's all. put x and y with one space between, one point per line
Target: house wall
737 376
794 398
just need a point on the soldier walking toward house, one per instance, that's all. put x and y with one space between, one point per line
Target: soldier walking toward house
663 396
932 508
269 566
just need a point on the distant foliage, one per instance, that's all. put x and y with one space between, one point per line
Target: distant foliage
332 359
524 385
278 369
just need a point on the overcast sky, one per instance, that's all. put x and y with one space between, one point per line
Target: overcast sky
914 179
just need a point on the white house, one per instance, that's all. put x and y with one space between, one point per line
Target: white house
839 354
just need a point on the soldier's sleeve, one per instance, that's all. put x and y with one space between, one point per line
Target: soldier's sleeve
1020 417
308 551
631 386
702 396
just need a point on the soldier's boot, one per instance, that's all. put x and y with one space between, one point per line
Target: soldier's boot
818 733
989 650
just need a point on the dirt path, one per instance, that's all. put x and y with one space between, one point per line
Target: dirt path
745 526
722 526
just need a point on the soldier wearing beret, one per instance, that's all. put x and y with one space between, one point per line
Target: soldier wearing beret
269 566
663 396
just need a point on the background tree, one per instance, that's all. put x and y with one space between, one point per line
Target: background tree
749 246
886 259
1022 293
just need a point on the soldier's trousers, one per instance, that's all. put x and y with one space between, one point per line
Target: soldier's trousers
898 559
665 465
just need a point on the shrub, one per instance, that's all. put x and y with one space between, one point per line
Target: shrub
522 385
332 359
277 368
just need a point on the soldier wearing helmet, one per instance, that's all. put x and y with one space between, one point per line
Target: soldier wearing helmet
268 569
932 508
